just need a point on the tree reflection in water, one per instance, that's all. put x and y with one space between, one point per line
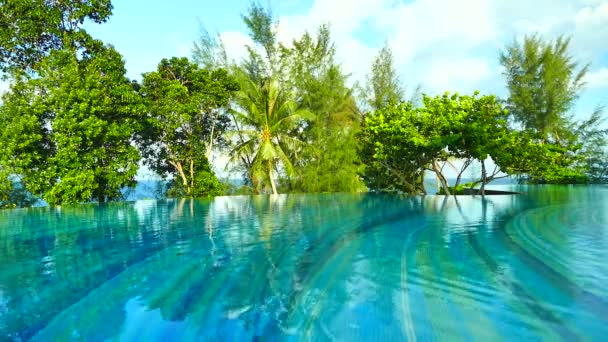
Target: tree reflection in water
348 266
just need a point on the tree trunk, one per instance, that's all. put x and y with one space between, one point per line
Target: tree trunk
274 189
191 175
462 170
441 178
483 177
458 180
180 171
210 143
409 183
422 186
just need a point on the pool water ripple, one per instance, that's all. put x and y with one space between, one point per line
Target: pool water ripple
310 267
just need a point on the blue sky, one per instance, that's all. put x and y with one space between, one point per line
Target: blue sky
442 45
147 31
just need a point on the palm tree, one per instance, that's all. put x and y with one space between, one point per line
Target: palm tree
267 115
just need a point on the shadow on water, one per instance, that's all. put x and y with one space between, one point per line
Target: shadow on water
347 266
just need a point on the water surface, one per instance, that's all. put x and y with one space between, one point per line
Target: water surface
311 267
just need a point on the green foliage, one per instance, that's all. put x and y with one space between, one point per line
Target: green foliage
479 124
268 113
400 142
260 23
332 165
231 189
6 188
537 162
543 82
30 30
594 150
186 119
205 183
383 84
262 30
68 132
209 52
315 149
394 149
457 189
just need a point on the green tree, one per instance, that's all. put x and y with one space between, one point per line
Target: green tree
68 132
480 130
6 187
400 143
268 115
593 140
317 79
185 122
383 83
209 51
263 141
394 150
30 30
540 162
263 32
543 82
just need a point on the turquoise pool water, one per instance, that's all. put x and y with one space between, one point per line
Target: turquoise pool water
311 267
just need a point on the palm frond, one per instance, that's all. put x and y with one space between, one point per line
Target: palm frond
243 149
287 165
267 151
288 121
292 143
250 133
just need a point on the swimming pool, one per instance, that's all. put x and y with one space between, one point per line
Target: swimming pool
311 267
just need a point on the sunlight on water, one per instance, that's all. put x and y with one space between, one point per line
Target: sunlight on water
343 266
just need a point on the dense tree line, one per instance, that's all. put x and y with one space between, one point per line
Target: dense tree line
76 129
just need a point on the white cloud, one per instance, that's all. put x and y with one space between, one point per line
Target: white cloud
235 44
430 38
598 78
183 50
593 16
446 44
457 74
591 30
424 25
344 18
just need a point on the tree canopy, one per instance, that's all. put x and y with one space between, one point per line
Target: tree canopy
68 132
543 82
185 121
401 142
268 113
331 164
30 30
383 83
